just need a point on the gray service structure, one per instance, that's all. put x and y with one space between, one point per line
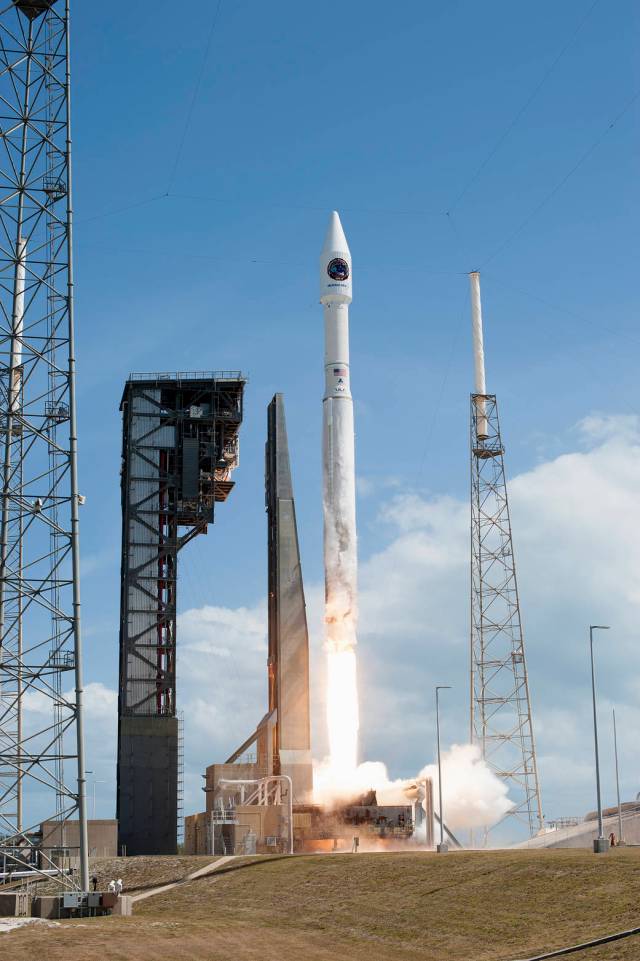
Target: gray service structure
180 445
288 632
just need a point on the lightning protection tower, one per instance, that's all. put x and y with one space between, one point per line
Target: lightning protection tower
500 705
41 741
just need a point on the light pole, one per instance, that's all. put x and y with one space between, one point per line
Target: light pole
442 848
615 750
600 844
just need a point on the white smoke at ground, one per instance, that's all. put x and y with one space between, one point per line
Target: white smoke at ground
472 795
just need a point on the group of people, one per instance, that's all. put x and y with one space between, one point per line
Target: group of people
114 887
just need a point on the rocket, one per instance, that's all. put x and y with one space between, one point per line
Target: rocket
339 503
338 460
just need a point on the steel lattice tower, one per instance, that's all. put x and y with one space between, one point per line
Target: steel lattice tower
500 704
41 736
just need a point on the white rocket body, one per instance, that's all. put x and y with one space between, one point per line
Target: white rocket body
339 494
339 503
482 428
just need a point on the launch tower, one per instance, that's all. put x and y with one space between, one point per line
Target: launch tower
41 754
179 448
500 705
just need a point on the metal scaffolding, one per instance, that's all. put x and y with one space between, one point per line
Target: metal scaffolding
41 737
500 704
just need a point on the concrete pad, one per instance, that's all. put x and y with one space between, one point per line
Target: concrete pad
201 872
123 906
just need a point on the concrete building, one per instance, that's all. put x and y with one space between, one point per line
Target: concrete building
61 839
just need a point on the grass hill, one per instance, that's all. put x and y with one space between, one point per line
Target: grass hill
465 906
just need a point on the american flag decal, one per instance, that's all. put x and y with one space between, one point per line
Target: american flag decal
339 371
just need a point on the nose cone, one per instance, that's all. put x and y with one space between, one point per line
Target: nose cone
335 265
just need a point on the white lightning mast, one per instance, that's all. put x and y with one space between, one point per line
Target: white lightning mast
500 709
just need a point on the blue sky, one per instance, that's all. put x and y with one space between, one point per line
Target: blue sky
205 167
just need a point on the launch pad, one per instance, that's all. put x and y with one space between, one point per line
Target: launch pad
245 825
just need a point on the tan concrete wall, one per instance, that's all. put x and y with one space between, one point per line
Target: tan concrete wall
102 836
264 822
195 833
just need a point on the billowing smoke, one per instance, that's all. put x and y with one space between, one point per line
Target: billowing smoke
473 796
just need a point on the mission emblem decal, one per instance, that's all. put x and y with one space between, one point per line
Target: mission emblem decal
338 269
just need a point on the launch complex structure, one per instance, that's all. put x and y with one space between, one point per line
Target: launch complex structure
180 444
180 447
253 792
261 798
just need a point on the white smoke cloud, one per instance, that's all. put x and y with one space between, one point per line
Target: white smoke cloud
472 796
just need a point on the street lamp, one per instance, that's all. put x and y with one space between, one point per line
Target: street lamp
600 844
442 848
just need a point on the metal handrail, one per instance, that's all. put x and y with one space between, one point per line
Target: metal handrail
189 375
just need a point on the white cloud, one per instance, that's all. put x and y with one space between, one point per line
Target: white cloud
220 631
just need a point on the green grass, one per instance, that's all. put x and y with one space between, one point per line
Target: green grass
469 906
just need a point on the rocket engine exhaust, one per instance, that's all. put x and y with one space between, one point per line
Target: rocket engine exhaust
339 504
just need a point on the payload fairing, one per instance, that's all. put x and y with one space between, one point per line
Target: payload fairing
339 500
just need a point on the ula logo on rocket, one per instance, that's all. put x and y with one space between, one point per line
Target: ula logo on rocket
338 269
